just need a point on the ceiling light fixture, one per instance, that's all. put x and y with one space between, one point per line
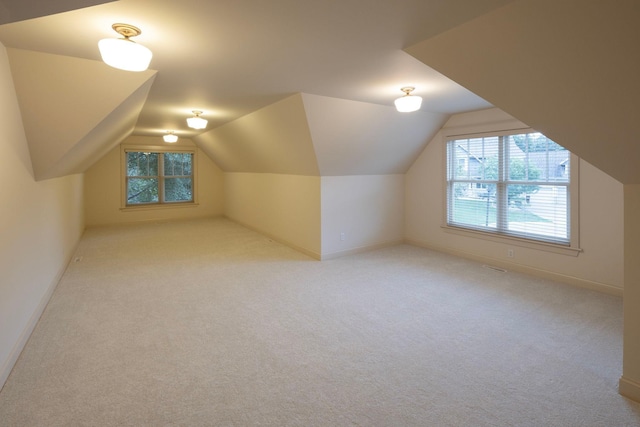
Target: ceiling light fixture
408 102
196 121
124 53
170 137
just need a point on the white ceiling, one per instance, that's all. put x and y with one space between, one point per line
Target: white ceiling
232 57
568 69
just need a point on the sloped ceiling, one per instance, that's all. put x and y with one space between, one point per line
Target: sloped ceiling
242 62
274 139
19 10
314 135
567 68
358 138
74 109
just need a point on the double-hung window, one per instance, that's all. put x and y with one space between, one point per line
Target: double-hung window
158 177
511 184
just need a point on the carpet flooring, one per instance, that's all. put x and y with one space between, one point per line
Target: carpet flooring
206 323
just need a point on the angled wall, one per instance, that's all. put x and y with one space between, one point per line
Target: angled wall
363 151
41 225
358 138
567 68
284 207
324 175
271 181
74 110
274 139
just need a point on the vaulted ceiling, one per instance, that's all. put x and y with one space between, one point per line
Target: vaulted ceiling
307 87
232 59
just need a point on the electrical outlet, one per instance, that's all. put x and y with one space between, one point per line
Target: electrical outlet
510 253
342 236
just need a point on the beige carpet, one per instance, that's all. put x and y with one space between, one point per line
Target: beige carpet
207 323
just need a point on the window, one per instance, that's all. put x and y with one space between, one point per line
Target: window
158 177
514 184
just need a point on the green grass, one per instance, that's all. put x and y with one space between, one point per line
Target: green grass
476 212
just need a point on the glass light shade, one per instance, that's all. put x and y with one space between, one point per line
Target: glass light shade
408 103
124 54
197 122
170 137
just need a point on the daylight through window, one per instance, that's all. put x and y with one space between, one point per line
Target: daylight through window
159 177
517 185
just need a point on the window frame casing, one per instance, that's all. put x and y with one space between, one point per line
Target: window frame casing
572 248
125 148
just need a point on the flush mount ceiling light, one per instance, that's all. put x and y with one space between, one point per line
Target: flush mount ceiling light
408 102
170 137
124 53
196 121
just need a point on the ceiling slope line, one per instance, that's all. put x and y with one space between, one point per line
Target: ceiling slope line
63 99
110 132
575 80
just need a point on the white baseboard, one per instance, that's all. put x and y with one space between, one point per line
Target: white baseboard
558 277
629 389
316 255
312 254
14 354
360 249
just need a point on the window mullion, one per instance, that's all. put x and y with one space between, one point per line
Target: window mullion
161 177
501 187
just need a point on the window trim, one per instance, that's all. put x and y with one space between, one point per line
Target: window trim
572 249
124 148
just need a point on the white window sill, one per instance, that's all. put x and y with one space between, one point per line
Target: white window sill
514 241
155 206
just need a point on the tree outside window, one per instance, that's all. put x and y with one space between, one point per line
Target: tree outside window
509 184
159 177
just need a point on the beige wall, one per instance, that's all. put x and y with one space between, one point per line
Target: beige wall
103 190
284 207
309 213
630 380
274 139
368 209
41 225
599 266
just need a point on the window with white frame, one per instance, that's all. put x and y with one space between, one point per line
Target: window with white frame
516 184
158 177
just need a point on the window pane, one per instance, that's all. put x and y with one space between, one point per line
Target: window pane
473 205
171 163
153 163
187 161
178 190
513 184
177 164
475 158
142 164
534 157
542 212
142 190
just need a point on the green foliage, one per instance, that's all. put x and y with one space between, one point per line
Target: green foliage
142 164
143 177
178 190
518 171
178 166
142 190
534 143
